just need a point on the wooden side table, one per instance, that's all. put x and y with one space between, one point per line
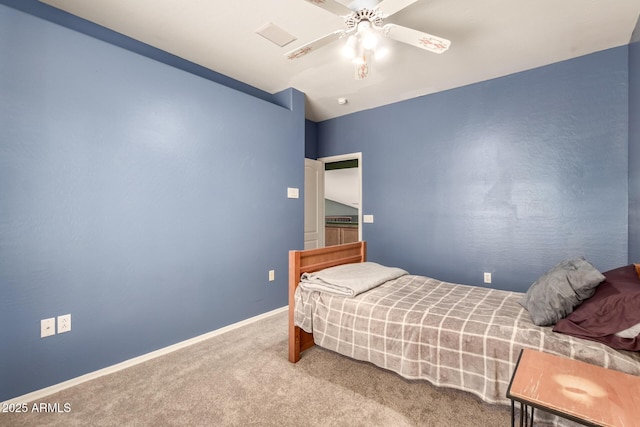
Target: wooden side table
578 391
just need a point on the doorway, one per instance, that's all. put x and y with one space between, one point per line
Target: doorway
342 198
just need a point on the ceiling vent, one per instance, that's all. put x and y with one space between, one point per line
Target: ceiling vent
275 34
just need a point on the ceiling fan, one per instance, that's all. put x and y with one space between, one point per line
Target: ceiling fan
364 28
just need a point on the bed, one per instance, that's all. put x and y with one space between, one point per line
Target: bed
452 335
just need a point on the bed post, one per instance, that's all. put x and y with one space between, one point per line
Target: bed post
294 331
314 260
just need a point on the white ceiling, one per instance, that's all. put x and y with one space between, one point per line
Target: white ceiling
489 38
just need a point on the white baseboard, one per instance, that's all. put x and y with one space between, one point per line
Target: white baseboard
42 393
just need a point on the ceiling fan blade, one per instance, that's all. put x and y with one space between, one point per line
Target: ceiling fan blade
315 45
416 38
361 71
332 6
389 7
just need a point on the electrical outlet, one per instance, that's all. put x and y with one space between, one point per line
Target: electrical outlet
47 327
272 275
64 323
487 277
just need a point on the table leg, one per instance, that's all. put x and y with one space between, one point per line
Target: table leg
532 409
525 419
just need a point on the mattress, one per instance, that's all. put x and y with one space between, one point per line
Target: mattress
452 335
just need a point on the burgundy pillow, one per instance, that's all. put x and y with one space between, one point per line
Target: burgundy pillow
615 306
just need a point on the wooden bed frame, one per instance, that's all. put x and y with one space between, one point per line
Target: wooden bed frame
308 261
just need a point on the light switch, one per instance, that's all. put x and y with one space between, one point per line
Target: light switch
367 218
293 193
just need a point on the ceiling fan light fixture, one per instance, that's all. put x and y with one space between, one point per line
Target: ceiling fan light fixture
369 40
359 60
381 53
368 36
349 50
360 56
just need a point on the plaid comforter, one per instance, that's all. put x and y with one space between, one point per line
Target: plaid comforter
452 335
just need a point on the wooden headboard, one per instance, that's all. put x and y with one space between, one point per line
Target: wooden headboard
308 261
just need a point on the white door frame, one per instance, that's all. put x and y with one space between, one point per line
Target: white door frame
351 156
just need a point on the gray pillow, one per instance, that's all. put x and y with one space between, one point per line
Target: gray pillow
561 289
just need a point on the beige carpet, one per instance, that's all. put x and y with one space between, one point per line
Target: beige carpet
243 378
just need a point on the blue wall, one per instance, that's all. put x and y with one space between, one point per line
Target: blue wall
508 176
36 8
131 192
634 146
311 140
148 202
